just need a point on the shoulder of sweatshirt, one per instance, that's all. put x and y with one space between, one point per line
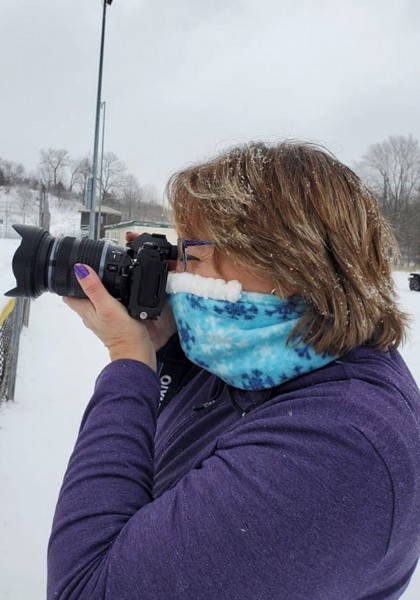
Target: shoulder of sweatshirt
370 390
365 378
367 399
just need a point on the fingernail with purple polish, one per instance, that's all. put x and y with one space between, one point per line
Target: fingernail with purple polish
81 271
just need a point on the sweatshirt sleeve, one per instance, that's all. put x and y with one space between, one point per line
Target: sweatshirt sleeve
282 508
108 479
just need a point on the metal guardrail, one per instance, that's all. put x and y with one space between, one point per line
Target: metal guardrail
12 318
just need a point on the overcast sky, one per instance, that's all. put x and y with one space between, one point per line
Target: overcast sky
185 78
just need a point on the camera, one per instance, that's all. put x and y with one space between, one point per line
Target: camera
135 274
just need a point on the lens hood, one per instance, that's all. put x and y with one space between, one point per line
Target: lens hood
29 260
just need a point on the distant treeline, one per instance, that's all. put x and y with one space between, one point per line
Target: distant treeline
391 169
66 177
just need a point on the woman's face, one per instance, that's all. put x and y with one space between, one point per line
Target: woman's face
201 260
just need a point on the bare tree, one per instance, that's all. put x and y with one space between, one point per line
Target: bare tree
392 168
11 173
139 202
411 234
130 198
150 206
149 194
25 201
52 164
114 177
80 171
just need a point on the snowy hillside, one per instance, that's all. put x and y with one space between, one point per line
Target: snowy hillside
21 205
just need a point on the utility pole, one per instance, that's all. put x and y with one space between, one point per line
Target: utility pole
101 195
44 212
92 199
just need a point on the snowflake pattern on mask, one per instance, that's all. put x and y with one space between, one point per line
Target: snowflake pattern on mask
196 302
256 380
303 351
237 310
185 333
288 310
245 342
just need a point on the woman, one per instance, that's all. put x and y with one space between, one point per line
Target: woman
285 463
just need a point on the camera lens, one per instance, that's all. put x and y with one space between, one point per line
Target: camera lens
44 263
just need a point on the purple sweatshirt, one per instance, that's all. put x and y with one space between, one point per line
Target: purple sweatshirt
313 495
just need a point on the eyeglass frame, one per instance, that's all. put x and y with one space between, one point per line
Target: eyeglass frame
183 244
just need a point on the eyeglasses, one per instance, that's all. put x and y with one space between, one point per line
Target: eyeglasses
183 245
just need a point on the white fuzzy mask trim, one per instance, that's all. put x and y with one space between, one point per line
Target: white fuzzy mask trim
206 287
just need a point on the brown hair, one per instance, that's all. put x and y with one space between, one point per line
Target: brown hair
294 212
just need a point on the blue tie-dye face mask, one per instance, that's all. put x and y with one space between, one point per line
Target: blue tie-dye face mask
244 341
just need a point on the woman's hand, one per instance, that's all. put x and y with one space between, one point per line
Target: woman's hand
161 330
124 336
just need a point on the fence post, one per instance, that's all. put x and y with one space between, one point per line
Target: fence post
6 327
26 307
14 350
12 318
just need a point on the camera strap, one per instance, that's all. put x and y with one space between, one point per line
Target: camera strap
174 370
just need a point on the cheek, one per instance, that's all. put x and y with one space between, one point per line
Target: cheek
228 271
204 269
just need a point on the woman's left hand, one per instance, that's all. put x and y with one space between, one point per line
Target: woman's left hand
124 336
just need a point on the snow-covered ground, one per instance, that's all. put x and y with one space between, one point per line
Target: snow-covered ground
58 362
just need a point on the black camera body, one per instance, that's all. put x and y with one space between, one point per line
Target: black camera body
135 274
